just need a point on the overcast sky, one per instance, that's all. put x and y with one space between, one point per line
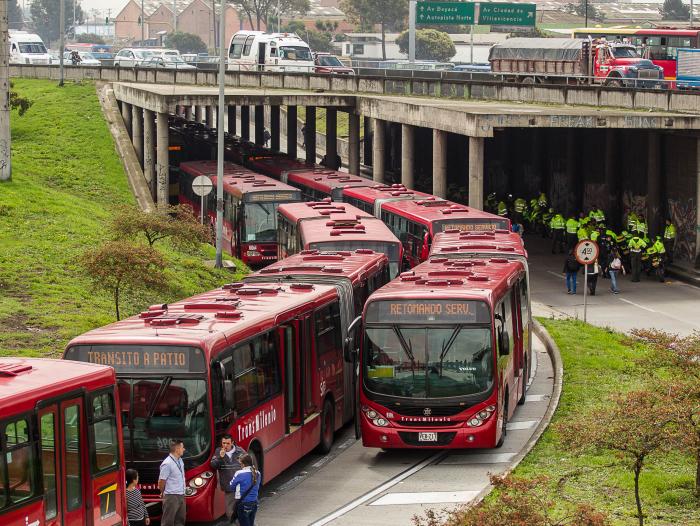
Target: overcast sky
103 5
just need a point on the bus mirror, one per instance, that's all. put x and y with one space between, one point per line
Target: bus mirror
504 344
229 401
348 350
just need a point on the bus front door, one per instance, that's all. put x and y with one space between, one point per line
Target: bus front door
74 480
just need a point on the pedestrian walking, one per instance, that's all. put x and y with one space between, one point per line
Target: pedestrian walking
571 229
136 511
614 268
246 484
636 245
592 272
558 226
171 483
669 239
226 462
266 137
303 136
571 266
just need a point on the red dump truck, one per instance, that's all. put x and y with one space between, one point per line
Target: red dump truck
547 60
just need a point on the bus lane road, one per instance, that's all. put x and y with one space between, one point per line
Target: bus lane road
357 485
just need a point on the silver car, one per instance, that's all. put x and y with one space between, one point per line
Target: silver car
167 62
131 57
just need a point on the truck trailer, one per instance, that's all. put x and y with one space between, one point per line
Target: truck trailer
688 68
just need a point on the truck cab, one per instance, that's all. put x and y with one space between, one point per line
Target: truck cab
621 65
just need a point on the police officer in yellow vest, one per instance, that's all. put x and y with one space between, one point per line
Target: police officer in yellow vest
519 207
558 226
571 229
502 209
669 239
582 233
636 245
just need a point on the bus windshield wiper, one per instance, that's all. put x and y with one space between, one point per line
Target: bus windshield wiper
263 207
447 346
407 347
162 388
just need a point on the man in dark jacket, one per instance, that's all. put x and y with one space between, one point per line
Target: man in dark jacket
226 462
571 267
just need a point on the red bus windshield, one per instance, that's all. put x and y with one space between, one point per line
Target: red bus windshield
260 222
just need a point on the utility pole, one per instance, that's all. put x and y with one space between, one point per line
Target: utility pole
412 31
220 145
691 14
174 16
74 2
142 24
62 43
5 137
585 24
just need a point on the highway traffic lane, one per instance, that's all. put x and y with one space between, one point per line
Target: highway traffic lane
360 485
670 306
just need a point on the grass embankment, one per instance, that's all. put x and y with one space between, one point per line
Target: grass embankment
341 123
597 363
67 178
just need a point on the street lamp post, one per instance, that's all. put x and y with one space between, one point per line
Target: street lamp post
142 24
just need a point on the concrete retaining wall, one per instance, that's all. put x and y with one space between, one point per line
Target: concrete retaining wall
429 83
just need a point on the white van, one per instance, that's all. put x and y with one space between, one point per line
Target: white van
27 48
259 51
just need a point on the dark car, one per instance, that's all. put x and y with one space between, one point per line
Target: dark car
327 63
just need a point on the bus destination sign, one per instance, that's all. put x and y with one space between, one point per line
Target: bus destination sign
427 311
268 197
476 227
140 359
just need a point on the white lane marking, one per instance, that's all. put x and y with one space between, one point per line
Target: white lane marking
637 305
378 490
525 424
321 462
479 458
349 442
533 370
560 276
428 497
537 398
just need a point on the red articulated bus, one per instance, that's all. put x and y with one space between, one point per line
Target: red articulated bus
320 183
415 222
372 198
263 362
276 166
442 357
61 451
332 226
250 208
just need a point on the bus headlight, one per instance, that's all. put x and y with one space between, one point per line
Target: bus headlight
380 422
481 417
371 414
190 491
197 482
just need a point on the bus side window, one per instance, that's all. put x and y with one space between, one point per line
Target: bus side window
248 45
18 462
47 434
524 301
104 431
327 323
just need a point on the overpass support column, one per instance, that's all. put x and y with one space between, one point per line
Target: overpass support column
260 125
275 128
407 155
378 142
476 172
210 116
162 163
612 213
354 143
310 134
440 163
137 131
245 123
126 115
654 183
292 131
149 149
231 116
198 113
367 141
188 113
697 202
331 136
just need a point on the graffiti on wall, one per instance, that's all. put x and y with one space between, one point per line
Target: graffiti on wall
597 195
633 203
561 196
683 215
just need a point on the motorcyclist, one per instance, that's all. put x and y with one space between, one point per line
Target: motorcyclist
75 58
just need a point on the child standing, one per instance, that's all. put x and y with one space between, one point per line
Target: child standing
136 509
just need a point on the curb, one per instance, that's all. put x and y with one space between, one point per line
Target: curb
555 356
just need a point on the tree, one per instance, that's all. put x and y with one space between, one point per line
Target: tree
15 18
586 5
674 10
318 40
118 266
431 44
18 102
175 222
519 501
185 42
633 425
90 38
389 14
46 17
262 10
294 26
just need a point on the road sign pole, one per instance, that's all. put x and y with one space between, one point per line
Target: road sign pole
412 31
585 291
201 210
220 143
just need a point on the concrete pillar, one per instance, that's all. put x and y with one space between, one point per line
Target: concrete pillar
126 115
260 125
137 131
331 135
188 113
697 202
275 128
149 150
310 134
378 142
367 153
440 163
354 143
654 212
198 113
571 200
162 163
407 145
476 172
210 116
613 212
292 131
245 123
231 120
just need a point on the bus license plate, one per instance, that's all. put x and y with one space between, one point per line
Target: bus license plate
427 437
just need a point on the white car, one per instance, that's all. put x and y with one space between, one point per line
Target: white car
131 57
167 62
86 59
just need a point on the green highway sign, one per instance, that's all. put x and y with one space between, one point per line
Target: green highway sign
507 14
469 13
444 13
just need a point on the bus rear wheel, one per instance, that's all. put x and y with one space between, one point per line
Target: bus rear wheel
257 457
327 427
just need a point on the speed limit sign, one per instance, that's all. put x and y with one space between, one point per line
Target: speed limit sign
586 252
